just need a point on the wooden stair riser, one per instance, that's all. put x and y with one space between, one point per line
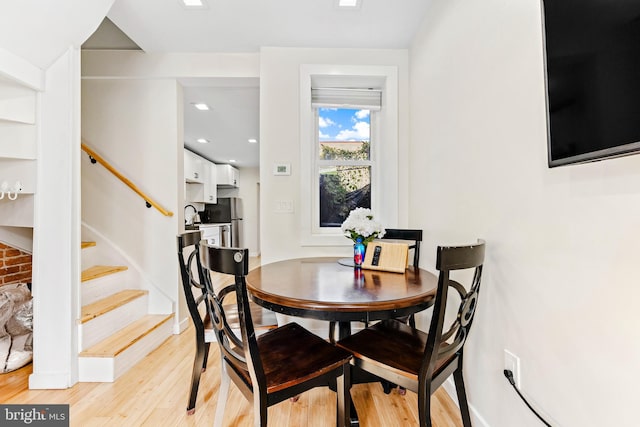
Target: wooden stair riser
101 327
95 255
97 289
108 369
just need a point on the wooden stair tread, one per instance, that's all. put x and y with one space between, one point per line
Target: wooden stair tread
87 244
127 336
101 270
93 310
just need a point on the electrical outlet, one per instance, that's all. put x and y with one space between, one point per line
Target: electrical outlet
512 363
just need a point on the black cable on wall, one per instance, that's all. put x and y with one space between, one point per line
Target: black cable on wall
509 375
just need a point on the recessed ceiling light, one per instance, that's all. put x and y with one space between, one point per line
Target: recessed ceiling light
232 160
202 141
349 4
201 106
253 141
193 4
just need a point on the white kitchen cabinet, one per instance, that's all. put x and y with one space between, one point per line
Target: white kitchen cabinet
210 183
200 179
228 176
193 167
193 192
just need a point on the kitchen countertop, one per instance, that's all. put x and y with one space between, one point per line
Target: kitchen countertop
209 224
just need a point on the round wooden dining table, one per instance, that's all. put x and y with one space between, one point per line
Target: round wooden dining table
322 288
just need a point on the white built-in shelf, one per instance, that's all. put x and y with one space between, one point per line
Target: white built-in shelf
17 103
18 141
20 83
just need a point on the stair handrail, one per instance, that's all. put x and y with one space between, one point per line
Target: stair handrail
95 157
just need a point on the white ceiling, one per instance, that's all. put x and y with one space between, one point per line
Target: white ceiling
246 26
233 119
40 31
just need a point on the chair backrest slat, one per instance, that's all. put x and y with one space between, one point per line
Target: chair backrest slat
459 257
449 259
190 238
413 235
224 261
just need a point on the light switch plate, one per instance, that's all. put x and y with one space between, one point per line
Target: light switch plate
283 206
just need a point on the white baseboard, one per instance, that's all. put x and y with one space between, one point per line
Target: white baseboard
476 418
180 325
49 381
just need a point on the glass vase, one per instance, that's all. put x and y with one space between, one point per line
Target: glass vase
358 254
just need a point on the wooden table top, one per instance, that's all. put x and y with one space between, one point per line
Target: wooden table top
322 288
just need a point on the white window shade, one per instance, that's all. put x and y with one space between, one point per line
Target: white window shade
370 99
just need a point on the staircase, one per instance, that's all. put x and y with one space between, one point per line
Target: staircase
116 330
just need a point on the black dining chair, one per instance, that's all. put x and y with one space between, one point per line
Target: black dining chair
196 298
411 235
421 361
277 365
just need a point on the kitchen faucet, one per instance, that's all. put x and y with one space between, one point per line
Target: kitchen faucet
188 220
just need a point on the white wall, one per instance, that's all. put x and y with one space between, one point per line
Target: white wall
56 236
136 125
280 141
136 64
560 283
17 237
249 193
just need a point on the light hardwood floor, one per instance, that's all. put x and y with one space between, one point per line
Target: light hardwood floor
154 393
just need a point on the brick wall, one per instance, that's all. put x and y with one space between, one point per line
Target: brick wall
15 265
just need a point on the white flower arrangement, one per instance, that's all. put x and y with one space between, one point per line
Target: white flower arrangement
360 223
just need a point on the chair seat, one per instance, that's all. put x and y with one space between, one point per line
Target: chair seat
286 365
393 345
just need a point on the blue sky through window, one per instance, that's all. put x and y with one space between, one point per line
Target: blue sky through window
343 124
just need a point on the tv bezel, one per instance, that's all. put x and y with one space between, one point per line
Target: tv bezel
593 156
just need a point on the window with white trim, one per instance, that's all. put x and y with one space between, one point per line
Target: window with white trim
349 147
345 162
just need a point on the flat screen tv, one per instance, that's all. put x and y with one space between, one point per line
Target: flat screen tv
593 79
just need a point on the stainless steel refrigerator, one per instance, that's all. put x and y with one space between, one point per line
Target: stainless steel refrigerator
228 210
